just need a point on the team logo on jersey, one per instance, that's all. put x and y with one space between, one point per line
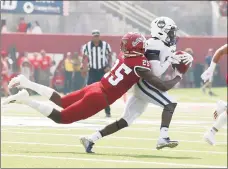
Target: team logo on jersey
137 41
161 24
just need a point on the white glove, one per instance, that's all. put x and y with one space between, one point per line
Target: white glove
207 74
177 73
174 59
186 58
173 48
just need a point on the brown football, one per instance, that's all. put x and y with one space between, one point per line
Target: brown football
181 67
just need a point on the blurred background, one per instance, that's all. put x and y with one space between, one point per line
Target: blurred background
38 36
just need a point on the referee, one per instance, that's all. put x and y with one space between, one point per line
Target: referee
98 53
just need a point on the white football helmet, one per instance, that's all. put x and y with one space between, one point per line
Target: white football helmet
164 29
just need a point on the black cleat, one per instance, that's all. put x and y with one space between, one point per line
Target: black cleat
88 145
166 142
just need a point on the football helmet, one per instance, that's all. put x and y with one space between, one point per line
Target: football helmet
133 44
164 29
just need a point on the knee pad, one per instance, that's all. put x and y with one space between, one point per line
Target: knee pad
170 107
221 106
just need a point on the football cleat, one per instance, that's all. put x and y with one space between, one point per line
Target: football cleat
166 142
88 144
20 82
209 137
23 94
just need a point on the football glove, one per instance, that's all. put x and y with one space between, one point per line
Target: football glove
186 58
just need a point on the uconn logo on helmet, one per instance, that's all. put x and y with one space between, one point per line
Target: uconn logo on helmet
137 41
8 5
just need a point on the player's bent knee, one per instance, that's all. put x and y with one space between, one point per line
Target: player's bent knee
170 107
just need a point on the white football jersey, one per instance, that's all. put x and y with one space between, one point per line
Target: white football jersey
157 53
158 45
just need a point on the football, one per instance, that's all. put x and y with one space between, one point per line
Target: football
181 67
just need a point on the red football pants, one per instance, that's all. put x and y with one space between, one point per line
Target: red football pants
83 103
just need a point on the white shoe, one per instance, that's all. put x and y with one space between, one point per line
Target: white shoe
209 137
166 142
21 95
221 106
20 82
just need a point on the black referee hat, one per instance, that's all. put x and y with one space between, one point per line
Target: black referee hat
96 32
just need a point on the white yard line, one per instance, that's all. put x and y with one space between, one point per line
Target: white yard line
111 137
118 115
172 130
42 121
110 147
109 160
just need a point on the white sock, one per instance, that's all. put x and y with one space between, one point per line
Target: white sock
221 106
164 132
220 121
95 136
41 107
41 89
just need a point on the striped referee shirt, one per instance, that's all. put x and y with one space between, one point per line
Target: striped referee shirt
97 55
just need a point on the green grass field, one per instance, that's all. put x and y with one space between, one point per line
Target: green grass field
30 141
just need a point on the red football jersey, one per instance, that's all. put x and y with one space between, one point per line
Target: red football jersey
123 76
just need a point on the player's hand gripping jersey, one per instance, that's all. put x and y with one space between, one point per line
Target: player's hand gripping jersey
123 76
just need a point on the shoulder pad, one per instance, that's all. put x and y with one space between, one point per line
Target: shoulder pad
154 44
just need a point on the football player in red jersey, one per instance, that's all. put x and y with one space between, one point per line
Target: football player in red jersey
91 99
220 114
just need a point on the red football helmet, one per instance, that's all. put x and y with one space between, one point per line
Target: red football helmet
132 44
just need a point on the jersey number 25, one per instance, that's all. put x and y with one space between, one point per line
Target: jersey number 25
118 76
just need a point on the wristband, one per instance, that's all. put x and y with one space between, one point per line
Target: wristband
212 65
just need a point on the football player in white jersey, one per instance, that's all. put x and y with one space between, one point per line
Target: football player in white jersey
220 114
159 50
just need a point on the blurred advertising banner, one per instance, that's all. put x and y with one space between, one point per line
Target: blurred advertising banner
35 7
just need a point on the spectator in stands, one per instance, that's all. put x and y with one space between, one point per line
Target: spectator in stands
45 66
68 69
4 26
29 28
223 8
190 73
37 29
4 73
78 80
35 61
20 59
208 84
26 68
22 26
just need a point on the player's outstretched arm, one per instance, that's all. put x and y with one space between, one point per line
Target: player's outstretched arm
156 82
207 74
219 53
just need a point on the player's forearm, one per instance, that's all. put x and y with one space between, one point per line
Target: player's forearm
218 54
157 82
164 85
